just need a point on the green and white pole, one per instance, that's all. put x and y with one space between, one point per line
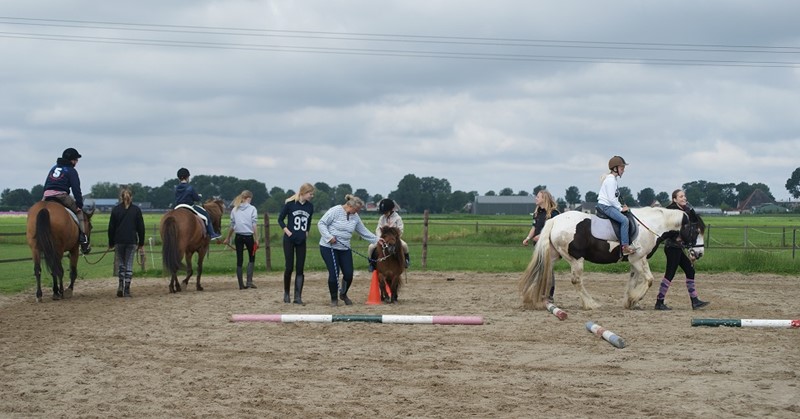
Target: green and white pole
780 324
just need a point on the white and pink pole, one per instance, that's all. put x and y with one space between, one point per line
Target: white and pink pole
369 318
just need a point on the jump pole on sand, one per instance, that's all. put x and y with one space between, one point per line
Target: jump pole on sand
608 335
561 314
781 324
369 318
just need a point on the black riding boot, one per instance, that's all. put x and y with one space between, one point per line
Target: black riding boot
250 283
698 303
408 260
661 306
343 293
298 289
120 288
127 290
239 277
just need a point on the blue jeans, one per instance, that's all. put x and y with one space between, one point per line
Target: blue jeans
615 214
336 260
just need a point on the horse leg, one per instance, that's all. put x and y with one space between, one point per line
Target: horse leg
640 281
382 287
37 272
200 257
189 271
174 285
587 301
73 273
58 286
394 286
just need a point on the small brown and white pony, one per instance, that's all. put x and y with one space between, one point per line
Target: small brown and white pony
183 234
52 230
390 263
569 236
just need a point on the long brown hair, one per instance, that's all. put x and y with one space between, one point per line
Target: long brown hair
126 196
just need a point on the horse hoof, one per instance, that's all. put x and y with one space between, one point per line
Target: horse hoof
67 293
199 288
38 299
56 297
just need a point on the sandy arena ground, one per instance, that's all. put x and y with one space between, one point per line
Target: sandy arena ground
162 355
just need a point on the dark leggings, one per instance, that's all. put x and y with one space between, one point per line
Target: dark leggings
676 258
244 241
291 248
336 261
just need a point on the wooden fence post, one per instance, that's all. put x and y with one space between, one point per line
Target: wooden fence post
267 254
425 239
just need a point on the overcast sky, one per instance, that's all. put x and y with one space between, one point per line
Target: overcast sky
485 94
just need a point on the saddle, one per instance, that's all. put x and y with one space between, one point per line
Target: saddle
195 211
604 228
69 211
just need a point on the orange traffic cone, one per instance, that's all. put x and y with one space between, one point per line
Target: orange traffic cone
374 290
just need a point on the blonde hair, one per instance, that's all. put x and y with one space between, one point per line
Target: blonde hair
353 201
125 196
304 189
549 203
241 197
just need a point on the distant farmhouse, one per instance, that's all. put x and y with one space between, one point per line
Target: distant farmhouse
759 203
107 204
504 205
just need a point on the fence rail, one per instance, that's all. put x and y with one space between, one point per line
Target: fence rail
434 233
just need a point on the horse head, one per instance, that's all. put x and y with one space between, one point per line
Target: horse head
88 212
216 208
390 235
692 235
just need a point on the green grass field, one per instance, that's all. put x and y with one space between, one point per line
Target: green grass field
456 243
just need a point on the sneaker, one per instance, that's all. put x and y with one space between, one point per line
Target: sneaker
215 236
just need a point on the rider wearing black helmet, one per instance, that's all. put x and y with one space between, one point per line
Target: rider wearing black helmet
63 178
185 194
389 217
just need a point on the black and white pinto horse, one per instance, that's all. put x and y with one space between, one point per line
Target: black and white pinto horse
569 236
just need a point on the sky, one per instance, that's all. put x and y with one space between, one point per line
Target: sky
486 94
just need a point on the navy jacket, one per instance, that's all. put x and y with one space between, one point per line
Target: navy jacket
63 177
126 226
185 194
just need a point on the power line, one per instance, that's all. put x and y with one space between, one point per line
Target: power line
414 39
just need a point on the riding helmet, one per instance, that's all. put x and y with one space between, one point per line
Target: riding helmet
385 206
616 161
70 154
183 173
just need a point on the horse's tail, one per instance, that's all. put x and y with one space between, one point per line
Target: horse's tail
535 281
170 251
44 243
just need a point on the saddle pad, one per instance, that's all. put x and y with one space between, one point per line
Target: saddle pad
191 208
602 229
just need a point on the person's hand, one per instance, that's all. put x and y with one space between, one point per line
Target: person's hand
526 240
110 248
332 240
624 208
225 241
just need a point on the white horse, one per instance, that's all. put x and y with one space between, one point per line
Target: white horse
569 236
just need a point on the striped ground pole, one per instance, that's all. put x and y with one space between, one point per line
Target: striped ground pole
781 324
368 318
608 335
561 314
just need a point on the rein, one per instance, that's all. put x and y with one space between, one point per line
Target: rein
644 225
98 260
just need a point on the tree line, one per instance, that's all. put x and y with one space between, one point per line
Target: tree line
414 194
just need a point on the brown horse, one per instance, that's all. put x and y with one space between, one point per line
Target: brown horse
182 234
390 263
51 232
